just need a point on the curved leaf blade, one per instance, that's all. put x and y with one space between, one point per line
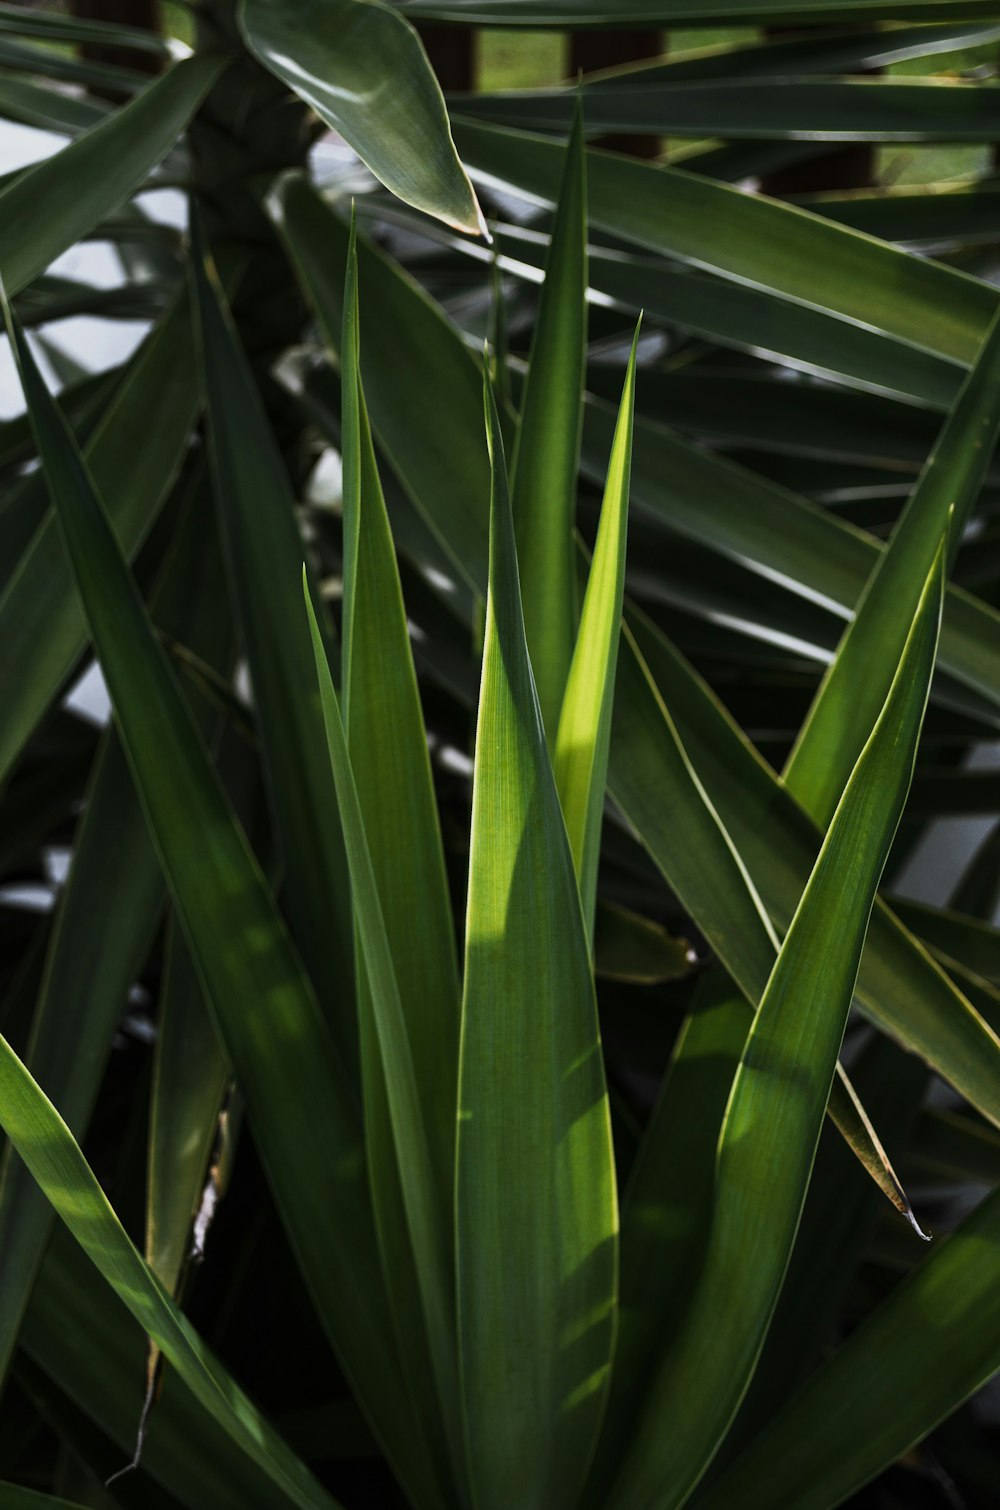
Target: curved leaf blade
363 69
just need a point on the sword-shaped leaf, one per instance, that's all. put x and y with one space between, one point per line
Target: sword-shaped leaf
426 1201
388 750
537 1212
48 1148
300 1107
52 205
42 625
927 1348
584 732
264 550
546 453
938 510
776 1106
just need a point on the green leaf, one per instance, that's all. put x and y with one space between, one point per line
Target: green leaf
48 109
776 1106
899 987
134 463
48 1148
799 257
974 944
546 452
650 758
927 1348
388 747
387 743
834 110
80 1334
300 1108
601 13
426 1202
189 1081
667 1204
780 535
89 968
834 731
364 71
54 26
431 459
536 1215
264 553
750 319
52 205
584 733
829 50
630 947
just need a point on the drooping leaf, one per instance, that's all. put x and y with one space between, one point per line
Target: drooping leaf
364 71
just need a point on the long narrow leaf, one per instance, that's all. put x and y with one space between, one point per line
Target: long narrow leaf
51 206
263 553
547 446
536 1214
299 1105
42 625
584 732
927 1348
835 728
46 1145
775 1110
426 1202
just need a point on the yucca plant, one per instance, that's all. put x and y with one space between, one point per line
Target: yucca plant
481 1052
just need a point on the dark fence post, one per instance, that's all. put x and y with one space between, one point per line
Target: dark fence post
452 51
